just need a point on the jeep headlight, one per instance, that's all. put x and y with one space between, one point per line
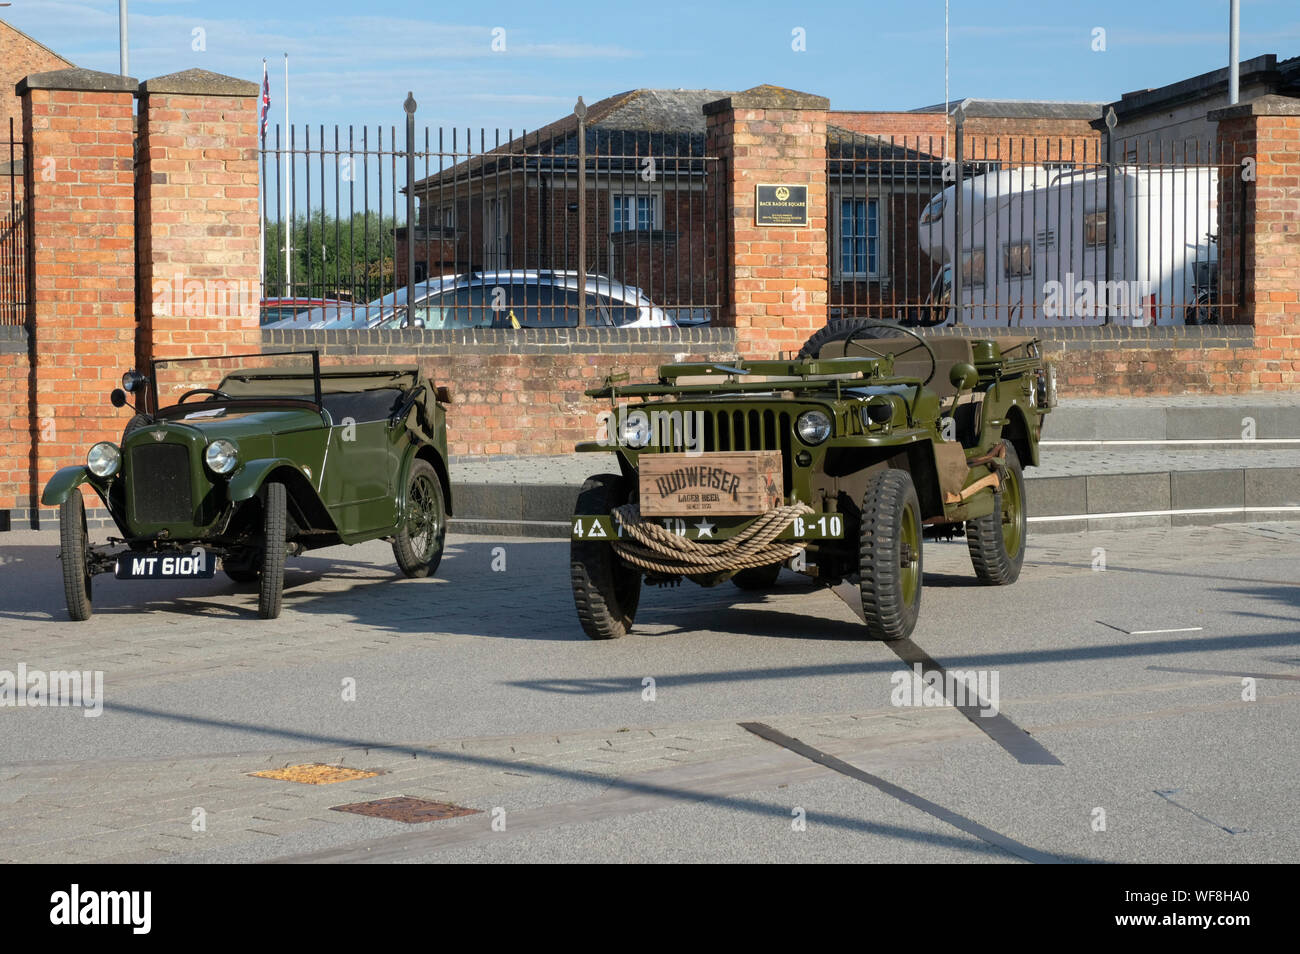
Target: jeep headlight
221 456
813 427
104 459
636 429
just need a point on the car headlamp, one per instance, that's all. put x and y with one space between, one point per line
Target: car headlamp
877 412
636 429
221 456
813 427
104 459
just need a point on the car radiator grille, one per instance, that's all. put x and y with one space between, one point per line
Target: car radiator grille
160 483
724 430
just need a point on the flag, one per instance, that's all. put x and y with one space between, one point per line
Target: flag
266 97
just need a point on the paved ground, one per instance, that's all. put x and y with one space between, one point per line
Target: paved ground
1120 692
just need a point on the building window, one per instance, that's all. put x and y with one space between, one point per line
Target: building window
1017 260
859 237
631 212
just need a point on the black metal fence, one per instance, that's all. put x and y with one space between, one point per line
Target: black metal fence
485 229
1045 232
14 251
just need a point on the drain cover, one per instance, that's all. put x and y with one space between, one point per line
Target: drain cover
403 808
315 773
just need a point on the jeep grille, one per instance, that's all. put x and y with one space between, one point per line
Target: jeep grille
735 430
160 483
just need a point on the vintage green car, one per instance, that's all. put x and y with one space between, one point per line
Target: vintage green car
282 456
836 463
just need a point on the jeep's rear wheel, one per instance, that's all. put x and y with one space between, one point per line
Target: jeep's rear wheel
606 590
997 541
423 532
275 519
758 578
74 551
889 555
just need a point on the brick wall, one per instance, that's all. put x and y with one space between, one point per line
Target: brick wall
1010 140
15 425
78 129
196 188
775 282
518 392
20 55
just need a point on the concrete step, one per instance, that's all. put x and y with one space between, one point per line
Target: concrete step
1253 421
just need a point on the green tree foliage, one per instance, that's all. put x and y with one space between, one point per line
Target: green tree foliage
345 258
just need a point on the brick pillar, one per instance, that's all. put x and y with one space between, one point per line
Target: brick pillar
196 188
774 278
80 185
1267 131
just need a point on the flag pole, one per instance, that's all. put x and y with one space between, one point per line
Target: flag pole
261 196
288 198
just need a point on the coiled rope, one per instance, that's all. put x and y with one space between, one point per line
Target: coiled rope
656 548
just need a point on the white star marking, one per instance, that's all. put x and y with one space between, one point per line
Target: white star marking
706 529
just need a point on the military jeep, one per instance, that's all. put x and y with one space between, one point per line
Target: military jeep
279 457
837 463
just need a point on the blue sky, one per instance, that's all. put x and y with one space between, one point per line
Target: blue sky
353 62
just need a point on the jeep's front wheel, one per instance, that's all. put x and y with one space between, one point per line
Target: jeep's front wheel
74 551
606 590
423 532
889 555
997 541
275 519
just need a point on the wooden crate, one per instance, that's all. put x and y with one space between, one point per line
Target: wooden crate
727 483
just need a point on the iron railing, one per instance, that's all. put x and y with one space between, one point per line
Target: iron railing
14 248
1047 231
482 229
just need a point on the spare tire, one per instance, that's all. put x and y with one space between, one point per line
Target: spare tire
837 329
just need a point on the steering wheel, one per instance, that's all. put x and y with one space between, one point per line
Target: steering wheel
212 391
875 322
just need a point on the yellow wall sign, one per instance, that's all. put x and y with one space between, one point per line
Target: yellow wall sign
776 204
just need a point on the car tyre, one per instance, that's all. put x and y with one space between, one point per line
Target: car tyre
74 552
606 590
997 541
420 539
837 329
275 519
137 421
889 555
758 578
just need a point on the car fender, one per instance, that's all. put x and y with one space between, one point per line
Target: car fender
439 467
64 481
248 480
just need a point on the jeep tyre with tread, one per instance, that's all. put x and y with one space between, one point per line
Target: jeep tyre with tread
889 555
606 590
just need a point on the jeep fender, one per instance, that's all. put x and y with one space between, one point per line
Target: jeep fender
64 481
425 452
1016 429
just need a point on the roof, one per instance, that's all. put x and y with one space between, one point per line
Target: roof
641 122
1019 108
35 42
1282 77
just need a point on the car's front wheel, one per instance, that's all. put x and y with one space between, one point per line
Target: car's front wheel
889 555
275 520
74 551
418 544
606 590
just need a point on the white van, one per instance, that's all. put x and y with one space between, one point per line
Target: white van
1033 245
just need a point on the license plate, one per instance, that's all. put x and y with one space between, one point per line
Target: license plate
198 564
815 526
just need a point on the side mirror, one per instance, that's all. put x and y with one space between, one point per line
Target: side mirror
963 376
117 398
